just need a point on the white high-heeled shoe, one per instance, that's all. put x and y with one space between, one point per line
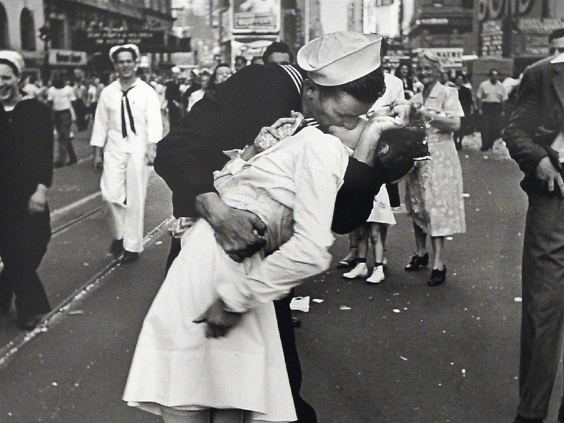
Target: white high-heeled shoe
377 275
359 271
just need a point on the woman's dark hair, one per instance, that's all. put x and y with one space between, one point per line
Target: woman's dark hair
14 67
398 70
58 80
212 84
366 89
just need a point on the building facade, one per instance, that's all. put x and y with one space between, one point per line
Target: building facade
19 25
65 34
517 29
443 24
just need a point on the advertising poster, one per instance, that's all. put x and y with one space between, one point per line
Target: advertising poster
256 16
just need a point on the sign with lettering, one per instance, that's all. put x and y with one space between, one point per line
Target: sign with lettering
451 58
103 38
256 16
67 58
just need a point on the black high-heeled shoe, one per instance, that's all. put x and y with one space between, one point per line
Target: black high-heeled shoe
29 323
347 264
417 262
438 277
6 304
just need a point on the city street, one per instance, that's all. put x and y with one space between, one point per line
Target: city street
398 352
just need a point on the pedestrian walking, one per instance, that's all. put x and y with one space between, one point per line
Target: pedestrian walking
535 140
252 98
26 173
467 103
61 96
434 187
490 102
292 186
173 97
81 99
127 127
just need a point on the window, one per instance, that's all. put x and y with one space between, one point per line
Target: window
27 30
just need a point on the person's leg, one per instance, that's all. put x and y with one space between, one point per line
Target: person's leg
61 148
421 257
65 135
136 179
438 274
393 194
542 316
486 126
350 259
173 252
376 230
304 411
438 242
70 151
24 243
360 270
420 240
112 185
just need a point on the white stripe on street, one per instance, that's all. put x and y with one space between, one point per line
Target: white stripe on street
76 204
8 351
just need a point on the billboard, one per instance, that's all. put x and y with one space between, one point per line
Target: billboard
256 16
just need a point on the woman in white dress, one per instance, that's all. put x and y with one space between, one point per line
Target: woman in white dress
187 371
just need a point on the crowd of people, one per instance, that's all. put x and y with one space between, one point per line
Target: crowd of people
311 142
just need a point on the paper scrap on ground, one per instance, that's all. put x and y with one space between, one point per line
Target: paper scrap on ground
344 308
300 304
317 300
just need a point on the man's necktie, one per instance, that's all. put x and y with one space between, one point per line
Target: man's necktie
125 99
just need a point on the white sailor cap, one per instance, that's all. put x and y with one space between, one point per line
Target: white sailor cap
124 47
340 57
14 58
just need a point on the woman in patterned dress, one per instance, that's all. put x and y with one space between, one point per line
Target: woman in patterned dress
434 188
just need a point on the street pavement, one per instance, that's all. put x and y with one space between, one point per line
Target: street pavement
398 352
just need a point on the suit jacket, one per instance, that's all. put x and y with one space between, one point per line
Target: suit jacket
26 153
536 120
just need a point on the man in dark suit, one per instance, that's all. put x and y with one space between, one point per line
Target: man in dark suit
535 139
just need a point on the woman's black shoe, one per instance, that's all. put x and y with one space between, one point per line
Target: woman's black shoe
28 324
347 264
5 304
417 262
437 277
